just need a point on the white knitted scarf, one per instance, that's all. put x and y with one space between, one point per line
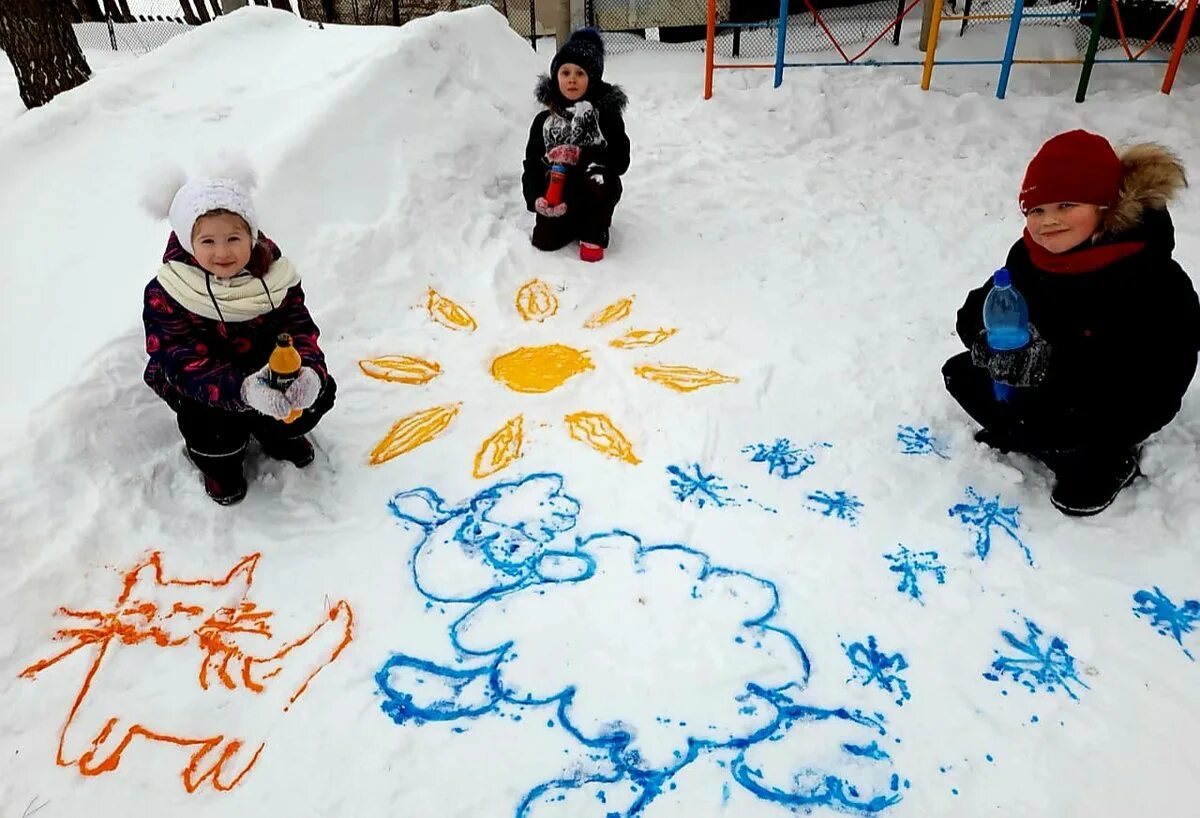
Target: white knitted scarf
239 298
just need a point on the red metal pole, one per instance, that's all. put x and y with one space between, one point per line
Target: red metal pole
710 43
1185 28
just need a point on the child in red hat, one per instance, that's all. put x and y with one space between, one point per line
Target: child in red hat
1114 320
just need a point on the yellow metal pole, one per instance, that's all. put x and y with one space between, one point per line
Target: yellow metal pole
931 47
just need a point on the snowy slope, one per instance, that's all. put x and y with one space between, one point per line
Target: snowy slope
569 637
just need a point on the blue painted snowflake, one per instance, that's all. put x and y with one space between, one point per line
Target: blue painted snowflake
692 484
700 488
1037 667
839 504
783 457
873 666
1166 617
983 515
910 565
919 441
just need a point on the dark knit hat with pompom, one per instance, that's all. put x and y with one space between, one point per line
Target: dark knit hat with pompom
585 49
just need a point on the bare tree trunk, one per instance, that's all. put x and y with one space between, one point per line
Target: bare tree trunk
37 36
90 11
120 11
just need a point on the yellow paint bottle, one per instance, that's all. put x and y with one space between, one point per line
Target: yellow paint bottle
284 366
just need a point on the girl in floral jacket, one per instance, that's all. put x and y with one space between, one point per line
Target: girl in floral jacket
222 296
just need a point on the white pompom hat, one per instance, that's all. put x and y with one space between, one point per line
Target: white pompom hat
200 196
226 189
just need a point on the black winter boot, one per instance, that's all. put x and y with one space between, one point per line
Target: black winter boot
295 450
223 478
1087 482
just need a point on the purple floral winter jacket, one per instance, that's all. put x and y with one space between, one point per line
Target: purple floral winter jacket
203 360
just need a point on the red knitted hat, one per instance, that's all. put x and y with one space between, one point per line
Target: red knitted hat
1075 166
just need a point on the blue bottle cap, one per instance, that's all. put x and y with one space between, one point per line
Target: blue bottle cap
1002 277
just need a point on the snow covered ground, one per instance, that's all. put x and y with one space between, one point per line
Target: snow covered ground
811 591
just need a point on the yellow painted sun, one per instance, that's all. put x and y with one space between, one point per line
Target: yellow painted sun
528 370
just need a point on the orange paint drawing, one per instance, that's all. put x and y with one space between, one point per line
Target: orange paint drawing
616 311
536 301
400 369
599 432
448 313
683 378
412 431
241 672
501 449
531 370
642 338
540 369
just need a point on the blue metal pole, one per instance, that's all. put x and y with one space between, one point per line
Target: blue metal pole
1010 48
781 42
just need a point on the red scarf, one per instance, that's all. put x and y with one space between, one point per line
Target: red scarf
1086 259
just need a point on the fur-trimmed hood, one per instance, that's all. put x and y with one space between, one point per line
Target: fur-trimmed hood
607 98
1151 175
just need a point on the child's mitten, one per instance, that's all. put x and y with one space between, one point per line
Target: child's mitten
304 390
563 155
544 208
585 125
259 396
1023 367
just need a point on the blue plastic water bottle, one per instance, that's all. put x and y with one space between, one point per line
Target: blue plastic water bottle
1006 319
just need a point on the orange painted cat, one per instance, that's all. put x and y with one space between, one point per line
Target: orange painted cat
195 640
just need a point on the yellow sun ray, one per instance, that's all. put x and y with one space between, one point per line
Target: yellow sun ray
616 311
539 369
682 378
400 369
414 430
642 338
536 301
599 432
501 449
448 313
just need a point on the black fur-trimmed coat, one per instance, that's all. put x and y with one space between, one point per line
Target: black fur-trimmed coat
1123 338
606 152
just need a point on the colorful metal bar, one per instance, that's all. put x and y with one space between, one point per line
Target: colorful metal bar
1185 28
710 42
1010 48
1089 57
781 42
931 46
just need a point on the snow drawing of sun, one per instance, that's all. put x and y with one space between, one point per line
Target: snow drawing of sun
528 370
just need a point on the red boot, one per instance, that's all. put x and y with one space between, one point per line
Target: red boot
590 252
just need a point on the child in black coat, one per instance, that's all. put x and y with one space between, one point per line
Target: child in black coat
1115 322
582 130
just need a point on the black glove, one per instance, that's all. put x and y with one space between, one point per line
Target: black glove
1022 367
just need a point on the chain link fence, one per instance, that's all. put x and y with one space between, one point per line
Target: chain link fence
143 25
628 25
855 23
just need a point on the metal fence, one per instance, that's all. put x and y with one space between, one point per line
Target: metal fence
751 27
627 25
142 25
372 12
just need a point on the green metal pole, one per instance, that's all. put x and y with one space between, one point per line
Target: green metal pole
1089 59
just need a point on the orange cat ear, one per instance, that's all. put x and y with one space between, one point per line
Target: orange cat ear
139 575
244 571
